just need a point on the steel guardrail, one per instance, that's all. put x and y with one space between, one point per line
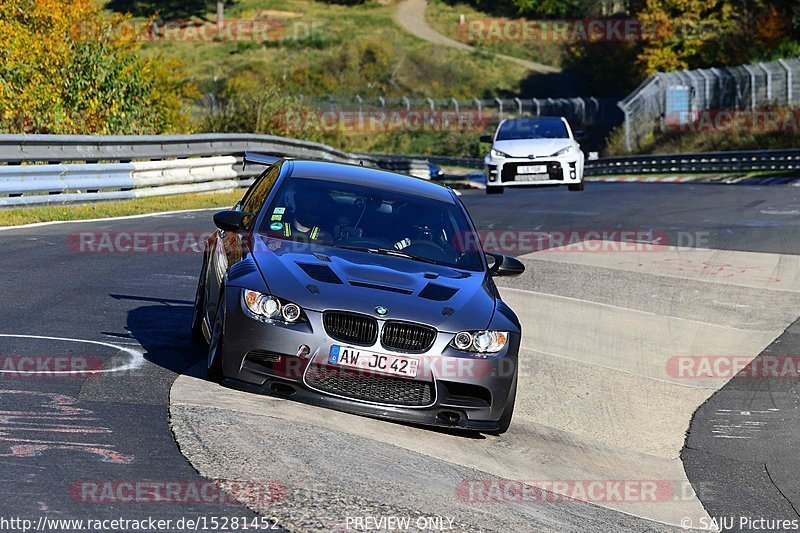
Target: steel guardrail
52 169
94 148
689 163
704 162
47 169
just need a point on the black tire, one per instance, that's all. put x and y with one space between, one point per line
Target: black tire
199 305
494 190
508 413
214 362
576 186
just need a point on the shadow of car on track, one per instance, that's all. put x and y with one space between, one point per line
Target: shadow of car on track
163 330
161 327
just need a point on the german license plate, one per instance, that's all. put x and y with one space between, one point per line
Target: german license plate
374 362
532 169
533 177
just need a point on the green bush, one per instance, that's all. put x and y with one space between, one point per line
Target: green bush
66 68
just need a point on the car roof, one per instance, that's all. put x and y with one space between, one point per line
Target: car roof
369 177
540 117
534 119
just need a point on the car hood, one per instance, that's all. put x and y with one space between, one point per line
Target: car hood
321 278
535 147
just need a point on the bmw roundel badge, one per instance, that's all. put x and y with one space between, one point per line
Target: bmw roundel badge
381 310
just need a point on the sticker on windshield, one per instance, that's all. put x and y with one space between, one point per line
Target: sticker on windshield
279 211
276 226
277 217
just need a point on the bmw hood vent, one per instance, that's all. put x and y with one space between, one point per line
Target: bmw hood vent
321 273
379 287
437 293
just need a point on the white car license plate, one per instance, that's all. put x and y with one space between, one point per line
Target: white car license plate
532 169
533 177
373 362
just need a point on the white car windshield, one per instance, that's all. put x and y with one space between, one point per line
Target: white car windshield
532 128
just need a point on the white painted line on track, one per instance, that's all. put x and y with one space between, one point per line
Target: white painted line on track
136 357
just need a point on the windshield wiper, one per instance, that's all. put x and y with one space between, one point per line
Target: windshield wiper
353 248
404 255
386 251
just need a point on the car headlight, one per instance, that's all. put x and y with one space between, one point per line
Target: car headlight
564 151
269 307
480 342
498 153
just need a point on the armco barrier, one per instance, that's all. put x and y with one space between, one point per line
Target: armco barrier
706 162
47 184
719 162
46 169
92 148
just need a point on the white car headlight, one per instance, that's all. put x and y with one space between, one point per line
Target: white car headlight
564 151
498 153
269 307
480 342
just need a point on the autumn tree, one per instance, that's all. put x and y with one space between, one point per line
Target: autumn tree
705 33
686 33
67 68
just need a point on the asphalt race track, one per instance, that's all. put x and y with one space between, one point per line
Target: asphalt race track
104 392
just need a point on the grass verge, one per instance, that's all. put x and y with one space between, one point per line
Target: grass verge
17 216
342 49
445 18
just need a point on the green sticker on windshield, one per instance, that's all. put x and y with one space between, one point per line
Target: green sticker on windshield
277 217
279 210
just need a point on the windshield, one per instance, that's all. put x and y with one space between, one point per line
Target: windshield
373 220
533 128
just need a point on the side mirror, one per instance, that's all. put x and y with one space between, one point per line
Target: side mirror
504 265
487 139
230 220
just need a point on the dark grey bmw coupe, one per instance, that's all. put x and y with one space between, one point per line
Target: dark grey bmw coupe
359 290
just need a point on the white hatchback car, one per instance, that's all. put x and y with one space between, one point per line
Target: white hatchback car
533 151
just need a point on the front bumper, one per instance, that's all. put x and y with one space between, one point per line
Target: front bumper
563 170
269 357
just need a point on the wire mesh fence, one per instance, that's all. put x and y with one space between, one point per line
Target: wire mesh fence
682 99
581 112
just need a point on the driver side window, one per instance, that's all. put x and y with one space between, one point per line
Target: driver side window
258 193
